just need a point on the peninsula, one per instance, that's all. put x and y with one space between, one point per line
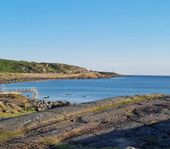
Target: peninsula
18 71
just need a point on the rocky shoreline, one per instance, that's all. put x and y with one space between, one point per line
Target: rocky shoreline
140 122
24 77
42 105
15 104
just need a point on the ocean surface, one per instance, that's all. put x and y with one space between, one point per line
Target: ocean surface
85 90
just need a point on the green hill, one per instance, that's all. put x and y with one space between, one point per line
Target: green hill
12 66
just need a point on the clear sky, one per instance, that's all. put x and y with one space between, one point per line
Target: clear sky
127 36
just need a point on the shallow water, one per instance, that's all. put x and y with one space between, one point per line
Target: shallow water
93 89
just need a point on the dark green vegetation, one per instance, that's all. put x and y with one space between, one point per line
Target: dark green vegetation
33 67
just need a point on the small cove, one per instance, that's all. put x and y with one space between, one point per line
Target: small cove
85 90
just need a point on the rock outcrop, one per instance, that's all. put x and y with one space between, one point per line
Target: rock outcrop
42 105
14 104
139 122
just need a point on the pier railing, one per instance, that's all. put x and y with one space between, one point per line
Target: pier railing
33 90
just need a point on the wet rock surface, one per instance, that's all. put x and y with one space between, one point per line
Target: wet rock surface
140 122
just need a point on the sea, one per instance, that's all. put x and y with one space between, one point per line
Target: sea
87 90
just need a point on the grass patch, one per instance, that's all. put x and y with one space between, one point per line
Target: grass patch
50 140
8 135
132 100
9 115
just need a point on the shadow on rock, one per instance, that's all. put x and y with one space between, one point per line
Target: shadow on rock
155 136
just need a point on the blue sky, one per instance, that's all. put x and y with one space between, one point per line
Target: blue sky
127 36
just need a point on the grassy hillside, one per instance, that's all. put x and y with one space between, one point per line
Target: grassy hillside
33 67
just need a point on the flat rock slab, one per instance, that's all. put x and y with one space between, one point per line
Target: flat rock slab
139 122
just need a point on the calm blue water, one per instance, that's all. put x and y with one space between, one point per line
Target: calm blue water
89 90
